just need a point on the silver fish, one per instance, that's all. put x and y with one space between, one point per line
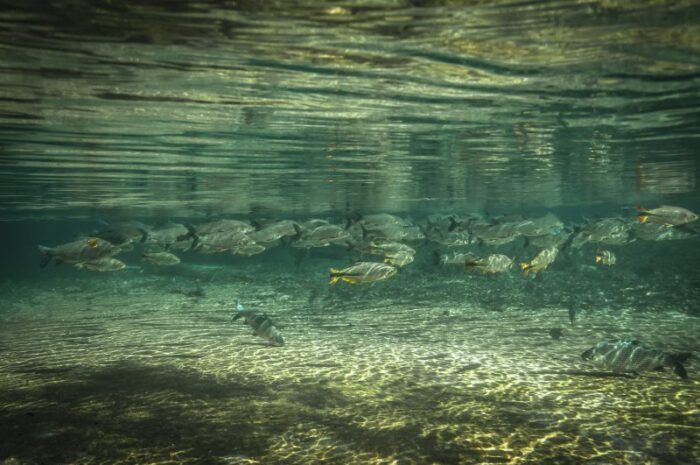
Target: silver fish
123 233
262 324
81 250
666 215
160 258
223 225
101 264
626 355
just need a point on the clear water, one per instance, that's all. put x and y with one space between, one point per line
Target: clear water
188 112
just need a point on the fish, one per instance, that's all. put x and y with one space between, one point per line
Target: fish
495 234
399 259
452 238
321 236
172 235
495 263
549 224
611 231
160 258
393 233
362 272
666 215
605 257
546 241
222 241
123 233
262 324
81 250
101 264
223 225
455 258
541 261
387 249
248 249
626 355
275 231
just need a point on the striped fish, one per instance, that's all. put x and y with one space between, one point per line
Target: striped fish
626 355
362 272
262 324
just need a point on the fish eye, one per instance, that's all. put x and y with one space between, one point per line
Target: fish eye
92 242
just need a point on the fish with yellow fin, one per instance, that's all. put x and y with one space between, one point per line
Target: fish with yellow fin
666 215
362 272
605 257
541 261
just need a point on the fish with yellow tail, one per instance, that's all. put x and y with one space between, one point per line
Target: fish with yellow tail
541 261
262 324
491 264
605 257
666 215
362 273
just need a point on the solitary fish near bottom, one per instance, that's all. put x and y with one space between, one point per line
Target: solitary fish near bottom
625 355
262 324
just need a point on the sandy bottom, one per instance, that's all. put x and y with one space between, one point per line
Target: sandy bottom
136 368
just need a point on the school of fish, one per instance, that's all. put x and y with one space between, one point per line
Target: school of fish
382 244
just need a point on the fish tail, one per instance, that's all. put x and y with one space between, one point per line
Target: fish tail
144 235
525 267
298 232
364 231
46 256
334 276
679 370
453 224
642 214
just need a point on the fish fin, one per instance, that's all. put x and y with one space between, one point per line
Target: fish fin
46 256
453 224
642 218
679 370
525 266
526 242
364 231
469 263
